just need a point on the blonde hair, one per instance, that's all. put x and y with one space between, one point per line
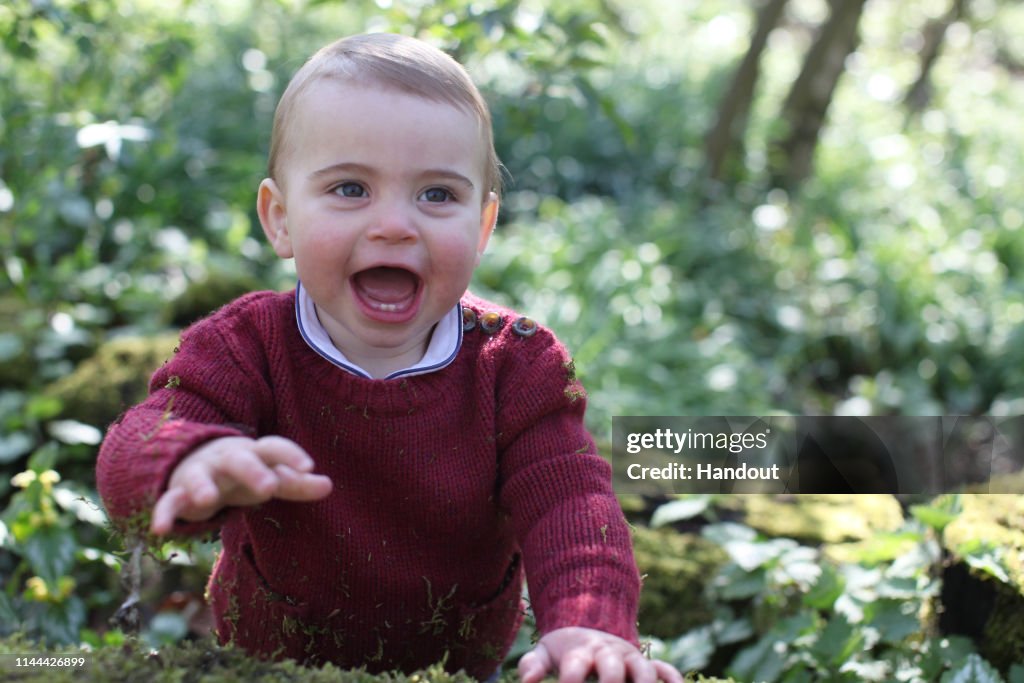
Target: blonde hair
406 64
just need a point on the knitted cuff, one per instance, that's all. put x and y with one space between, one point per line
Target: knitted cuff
601 612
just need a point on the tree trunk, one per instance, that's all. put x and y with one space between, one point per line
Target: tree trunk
803 113
725 139
920 93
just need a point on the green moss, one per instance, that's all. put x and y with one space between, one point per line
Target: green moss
220 286
207 662
113 379
1003 639
675 568
999 521
202 662
816 519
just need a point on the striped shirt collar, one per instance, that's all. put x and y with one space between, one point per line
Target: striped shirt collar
445 341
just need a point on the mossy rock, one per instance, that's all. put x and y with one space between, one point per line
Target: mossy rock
997 519
981 605
818 519
676 567
113 379
202 297
207 662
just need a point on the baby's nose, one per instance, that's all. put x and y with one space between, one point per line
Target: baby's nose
393 223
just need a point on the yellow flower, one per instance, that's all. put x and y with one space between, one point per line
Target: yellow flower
48 479
35 589
23 479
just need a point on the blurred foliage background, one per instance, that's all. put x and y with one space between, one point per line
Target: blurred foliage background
721 206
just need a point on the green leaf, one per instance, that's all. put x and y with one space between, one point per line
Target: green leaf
800 565
752 555
766 659
762 661
693 650
894 619
678 510
7 613
885 547
733 583
45 458
939 514
734 631
61 622
989 562
50 552
974 670
837 641
826 590
724 532
73 432
42 407
939 654
1016 674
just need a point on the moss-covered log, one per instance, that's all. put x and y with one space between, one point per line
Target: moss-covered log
675 568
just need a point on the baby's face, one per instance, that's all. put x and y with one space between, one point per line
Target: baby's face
381 201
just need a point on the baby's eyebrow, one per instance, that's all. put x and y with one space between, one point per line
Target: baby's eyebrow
448 175
343 167
363 169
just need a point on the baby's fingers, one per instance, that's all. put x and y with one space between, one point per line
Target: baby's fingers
277 450
244 479
534 664
667 672
166 509
301 486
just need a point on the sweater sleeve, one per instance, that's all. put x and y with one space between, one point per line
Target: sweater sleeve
215 385
575 540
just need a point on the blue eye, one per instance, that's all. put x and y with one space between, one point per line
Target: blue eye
350 189
437 195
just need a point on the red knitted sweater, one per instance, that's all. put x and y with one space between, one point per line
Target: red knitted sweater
447 487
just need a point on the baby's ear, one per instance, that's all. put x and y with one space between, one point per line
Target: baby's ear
488 219
270 206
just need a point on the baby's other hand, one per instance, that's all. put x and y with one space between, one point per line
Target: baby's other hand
237 470
573 652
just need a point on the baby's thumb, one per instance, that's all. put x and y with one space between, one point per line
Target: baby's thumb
166 509
534 664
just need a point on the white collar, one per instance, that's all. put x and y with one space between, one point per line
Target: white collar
445 341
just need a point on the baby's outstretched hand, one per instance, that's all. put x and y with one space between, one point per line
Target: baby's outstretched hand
573 652
237 470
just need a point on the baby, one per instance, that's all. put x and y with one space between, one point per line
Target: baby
385 455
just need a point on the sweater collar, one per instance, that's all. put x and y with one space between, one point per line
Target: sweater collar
445 341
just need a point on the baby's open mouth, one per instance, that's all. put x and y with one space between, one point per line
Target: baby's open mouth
387 289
